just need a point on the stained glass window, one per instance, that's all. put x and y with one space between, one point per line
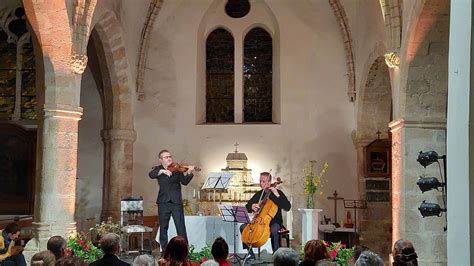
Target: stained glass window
258 59
16 25
220 77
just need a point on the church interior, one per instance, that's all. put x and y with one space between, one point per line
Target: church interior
345 100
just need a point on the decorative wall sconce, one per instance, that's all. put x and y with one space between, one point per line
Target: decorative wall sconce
392 60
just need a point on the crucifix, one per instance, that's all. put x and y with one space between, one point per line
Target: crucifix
378 134
335 198
236 144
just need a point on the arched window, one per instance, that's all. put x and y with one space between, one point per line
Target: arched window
220 77
258 60
17 69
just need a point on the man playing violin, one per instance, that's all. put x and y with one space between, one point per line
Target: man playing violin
279 198
169 200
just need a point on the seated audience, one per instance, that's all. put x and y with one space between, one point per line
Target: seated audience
57 245
110 244
404 253
220 251
44 257
316 253
357 251
285 257
176 253
210 263
9 253
144 260
71 261
369 258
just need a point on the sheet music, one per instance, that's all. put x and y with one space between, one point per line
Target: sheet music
234 213
217 180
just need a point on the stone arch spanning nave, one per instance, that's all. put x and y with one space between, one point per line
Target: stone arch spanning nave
133 71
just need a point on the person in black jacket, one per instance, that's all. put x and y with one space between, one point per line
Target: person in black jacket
110 244
279 198
169 200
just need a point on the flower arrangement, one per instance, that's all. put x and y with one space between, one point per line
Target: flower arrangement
201 256
79 246
312 183
339 253
105 227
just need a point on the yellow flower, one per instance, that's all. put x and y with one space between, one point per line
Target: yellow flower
320 193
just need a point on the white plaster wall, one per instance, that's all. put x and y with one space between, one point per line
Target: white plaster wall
90 154
316 116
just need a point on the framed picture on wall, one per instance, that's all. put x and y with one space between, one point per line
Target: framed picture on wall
378 159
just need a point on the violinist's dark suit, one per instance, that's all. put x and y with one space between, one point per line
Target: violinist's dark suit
170 202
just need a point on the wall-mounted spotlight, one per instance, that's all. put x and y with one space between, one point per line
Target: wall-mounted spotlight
430 209
428 157
428 183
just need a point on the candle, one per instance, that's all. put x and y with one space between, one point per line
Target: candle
194 193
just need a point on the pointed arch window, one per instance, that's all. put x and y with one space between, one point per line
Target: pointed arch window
257 71
220 77
17 69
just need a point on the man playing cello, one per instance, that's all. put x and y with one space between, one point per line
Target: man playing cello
279 198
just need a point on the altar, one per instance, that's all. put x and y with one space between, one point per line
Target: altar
205 229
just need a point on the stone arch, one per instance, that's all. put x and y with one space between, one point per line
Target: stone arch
117 97
420 124
374 112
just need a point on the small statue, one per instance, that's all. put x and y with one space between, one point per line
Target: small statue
348 222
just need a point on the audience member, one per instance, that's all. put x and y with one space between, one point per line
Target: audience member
44 257
143 260
316 253
220 251
176 252
285 257
357 251
210 263
404 253
71 261
369 258
110 244
57 245
9 253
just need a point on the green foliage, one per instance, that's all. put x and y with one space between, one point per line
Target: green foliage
198 257
79 246
105 227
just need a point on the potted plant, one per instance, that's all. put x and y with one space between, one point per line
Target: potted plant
312 182
79 246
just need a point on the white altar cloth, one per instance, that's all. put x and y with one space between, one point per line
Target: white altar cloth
205 229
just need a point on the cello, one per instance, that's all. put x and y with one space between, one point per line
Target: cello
257 232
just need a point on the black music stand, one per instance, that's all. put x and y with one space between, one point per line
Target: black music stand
234 214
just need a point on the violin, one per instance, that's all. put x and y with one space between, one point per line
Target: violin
257 232
180 168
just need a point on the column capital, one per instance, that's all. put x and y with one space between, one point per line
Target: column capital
400 123
63 111
119 134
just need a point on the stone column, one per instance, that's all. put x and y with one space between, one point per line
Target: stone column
118 169
427 234
56 178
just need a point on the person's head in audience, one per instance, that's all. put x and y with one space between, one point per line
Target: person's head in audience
285 257
57 245
315 250
110 244
12 231
404 253
358 250
44 257
176 251
369 258
144 260
70 261
210 263
220 249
